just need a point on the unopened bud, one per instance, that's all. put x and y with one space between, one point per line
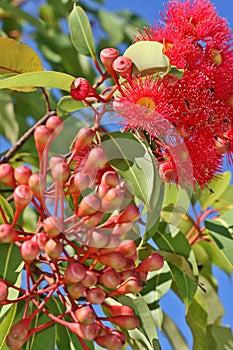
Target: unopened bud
131 213
84 138
22 196
53 226
29 251
86 332
107 56
152 263
85 315
95 295
123 66
3 291
89 205
80 89
7 234
55 123
7 175
43 137
126 321
22 174
96 159
74 273
53 248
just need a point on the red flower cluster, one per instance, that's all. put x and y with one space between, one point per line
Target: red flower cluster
199 107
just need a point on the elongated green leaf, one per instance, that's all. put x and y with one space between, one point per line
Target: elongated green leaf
131 159
10 254
148 57
6 324
81 33
197 320
220 338
9 126
48 79
174 334
8 211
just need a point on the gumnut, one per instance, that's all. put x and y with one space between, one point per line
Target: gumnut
7 234
152 263
127 247
55 123
167 171
22 174
112 200
3 291
78 183
89 205
110 278
122 228
13 344
43 137
85 315
94 219
130 213
98 239
60 170
53 226
74 273
19 330
110 178
84 138
29 251
112 244
96 159
80 89
37 185
22 196
123 66
76 290
53 248
130 285
107 56
7 175
126 321
90 279
118 310
95 295
114 259
110 341
86 332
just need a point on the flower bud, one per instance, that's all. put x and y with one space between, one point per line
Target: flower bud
60 170
53 248
13 344
88 205
127 247
3 291
107 56
152 263
110 178
95 295
85 315
110 341
96 159
112 200
123 66
130 213
36 182
90 279
98 239
131 285
78 183
43 137
76 290
7 175
80 89
53 226
118 310
19 330
55 123
110 278
86 332
126 321
74 273
22 174
114 259
22 196
7 234
29 251
84 138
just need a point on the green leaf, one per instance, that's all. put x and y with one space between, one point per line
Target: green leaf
81 33
8 121
221 231
49 79
148 58
197 320
11 256
68 104
131 159
174 334
220 338
6 324
8 211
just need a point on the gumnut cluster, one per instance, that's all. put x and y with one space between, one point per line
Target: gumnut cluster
83 251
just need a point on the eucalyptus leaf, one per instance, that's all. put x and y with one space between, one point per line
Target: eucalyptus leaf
10 254
174 334
7 209
6 324
68 104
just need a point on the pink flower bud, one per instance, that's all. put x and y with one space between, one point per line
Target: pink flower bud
53 226
94 219
89 205
60 170
126 321
7 175
74 273
53 248
127 247
76 290
110 341
80 89
84 138
85 315
14 344
110 178
110 278
118 310
131 285
98 239
7 234
95 295
22 196
29 251
22 174
19 330
90 279
43 137
114 259
131 213
96 159
112 200
107 56
123 66
86 332
3 291
36 183
55 123
152 263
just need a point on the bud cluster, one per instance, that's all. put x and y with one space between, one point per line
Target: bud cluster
91 254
